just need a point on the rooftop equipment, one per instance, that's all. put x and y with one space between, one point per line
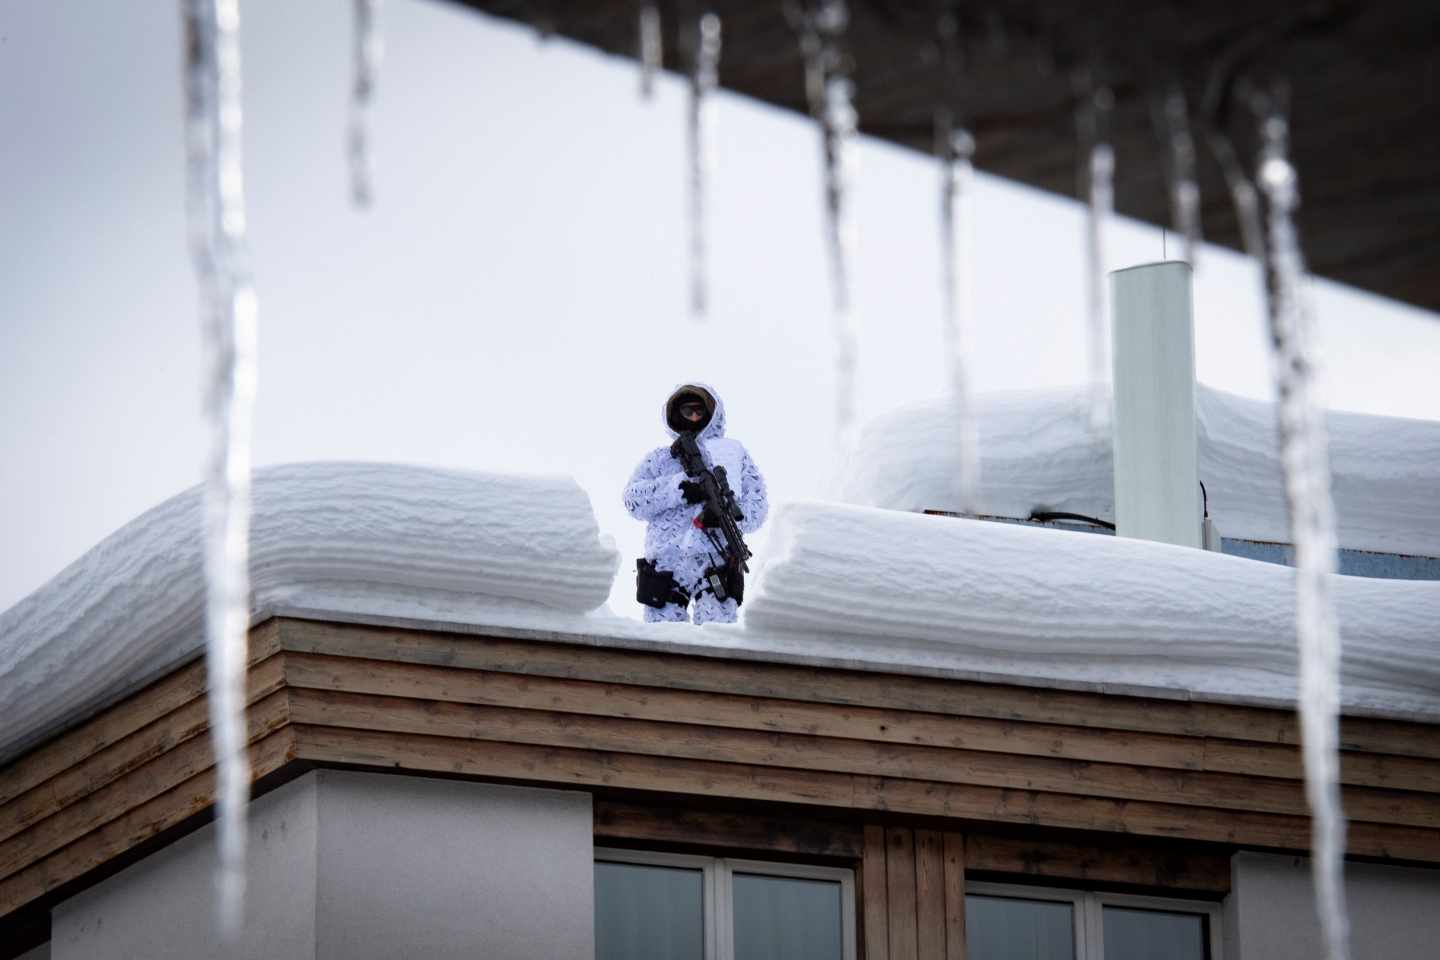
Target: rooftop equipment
1157 484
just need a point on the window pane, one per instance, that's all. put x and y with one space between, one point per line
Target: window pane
1001 928
1153 935
785 918
648 913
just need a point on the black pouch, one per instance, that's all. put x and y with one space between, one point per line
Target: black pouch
732 583
656 588
737 586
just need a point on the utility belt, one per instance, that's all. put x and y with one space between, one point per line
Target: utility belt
656 588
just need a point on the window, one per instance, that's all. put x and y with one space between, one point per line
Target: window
659 906
1004 922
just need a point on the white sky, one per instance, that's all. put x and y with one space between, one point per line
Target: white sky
517 299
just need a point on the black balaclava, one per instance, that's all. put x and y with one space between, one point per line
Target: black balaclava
693 394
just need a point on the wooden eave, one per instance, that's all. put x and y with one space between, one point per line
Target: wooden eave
1364 83
1021 774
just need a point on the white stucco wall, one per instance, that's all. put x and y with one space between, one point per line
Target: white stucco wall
161 906
442 869
1270 913
362 867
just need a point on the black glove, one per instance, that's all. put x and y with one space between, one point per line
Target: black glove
693 491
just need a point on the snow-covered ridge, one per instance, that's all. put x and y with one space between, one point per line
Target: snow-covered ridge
131 608
1045 603
1036 452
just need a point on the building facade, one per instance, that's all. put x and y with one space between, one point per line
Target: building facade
510 793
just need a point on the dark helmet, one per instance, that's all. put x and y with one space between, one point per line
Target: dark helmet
689 399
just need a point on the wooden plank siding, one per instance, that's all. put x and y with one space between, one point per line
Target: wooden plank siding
1117 861
900 893
633 701
948 774
188 760
157 701
852 688
921 908
589 768
874 895
329 708
133 771
180 729
736 833
930 925
954 851
133 827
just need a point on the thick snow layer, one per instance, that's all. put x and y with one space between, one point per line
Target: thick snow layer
849 587
1036 452
1051 603
132 608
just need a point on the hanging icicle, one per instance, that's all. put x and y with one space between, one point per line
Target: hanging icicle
1274 245
1097 182
368 50
1243 195
830 92
957 173
542 20
1242 191
704 77
1184 188
650 48
955 147
1305 459
227 305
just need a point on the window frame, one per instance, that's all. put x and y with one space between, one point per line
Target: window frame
1088 911
718 875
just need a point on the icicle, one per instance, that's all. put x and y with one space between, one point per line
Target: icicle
650 48
1305 458
956 149
1099 189
542 20
838 135
838 149
1184 189
1245 198
831 92
368 51
704 77
1242 193
217 238
957 171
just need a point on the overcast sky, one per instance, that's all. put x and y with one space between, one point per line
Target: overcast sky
516 301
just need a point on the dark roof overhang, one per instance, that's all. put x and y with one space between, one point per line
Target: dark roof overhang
1364 82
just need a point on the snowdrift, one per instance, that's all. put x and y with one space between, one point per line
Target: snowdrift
1037 452
1038 603
383 535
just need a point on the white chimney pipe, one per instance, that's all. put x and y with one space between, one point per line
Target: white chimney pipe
1157 483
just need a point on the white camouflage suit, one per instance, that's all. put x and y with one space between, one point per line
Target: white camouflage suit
672 541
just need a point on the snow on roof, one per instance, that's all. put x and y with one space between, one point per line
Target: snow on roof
1044 603
845 587
403 537
893 592
1038 453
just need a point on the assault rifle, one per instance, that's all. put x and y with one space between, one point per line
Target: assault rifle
720 511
